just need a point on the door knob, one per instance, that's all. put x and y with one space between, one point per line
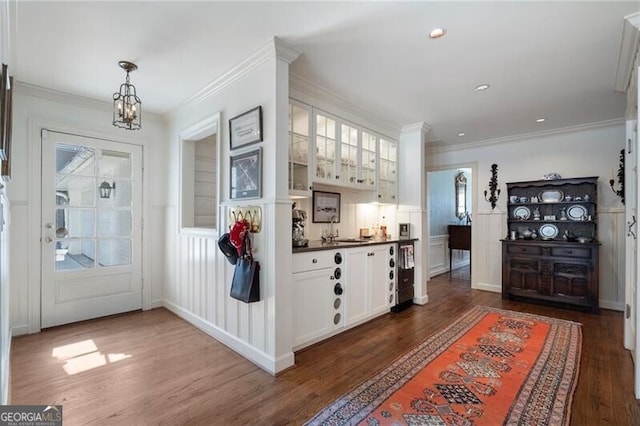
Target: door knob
48 240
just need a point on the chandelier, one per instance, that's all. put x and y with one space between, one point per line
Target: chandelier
127 105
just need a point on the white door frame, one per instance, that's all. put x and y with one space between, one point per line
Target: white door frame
86 293
34 220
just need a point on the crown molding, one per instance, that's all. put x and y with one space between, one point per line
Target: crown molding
60 97
431 148
40 92
309 93
285 51
264 54
627 52
421 127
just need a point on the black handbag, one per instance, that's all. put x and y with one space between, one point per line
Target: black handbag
245 285
228 249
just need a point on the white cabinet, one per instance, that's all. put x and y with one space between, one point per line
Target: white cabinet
356 285
344 153
299 149
317 296
326 149
367 285
387 171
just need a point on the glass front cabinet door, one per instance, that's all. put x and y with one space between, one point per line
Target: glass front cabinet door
299 149
387 170
326 149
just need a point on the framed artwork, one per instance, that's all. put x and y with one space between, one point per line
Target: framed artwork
246 128
5 166
246 175
404 230
4 97
326 205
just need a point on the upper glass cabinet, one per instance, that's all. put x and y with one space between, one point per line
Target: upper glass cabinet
387 172
299 148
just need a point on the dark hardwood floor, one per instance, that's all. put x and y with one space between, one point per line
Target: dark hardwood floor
153 368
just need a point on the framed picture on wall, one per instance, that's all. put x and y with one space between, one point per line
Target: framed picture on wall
4 100
246 175
246 128
326 206
5 167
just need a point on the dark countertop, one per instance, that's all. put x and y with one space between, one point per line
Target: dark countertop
318 245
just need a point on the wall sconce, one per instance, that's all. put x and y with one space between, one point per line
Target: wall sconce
494 192
619 192
105 189
127 106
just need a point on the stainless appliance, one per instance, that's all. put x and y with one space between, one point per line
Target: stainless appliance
298 218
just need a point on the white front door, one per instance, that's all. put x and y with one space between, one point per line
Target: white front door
91 228
632 243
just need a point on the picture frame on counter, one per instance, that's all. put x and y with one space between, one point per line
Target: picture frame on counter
246 128
246 175
326 206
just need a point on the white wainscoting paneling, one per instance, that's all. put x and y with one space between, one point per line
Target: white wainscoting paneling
439 256
5 325
490 228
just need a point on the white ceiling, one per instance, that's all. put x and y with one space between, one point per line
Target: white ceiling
542 59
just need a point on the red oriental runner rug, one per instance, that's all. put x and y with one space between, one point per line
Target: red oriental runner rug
490 367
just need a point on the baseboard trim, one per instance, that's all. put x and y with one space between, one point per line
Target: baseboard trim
20 330
488 287
421 300
261 359
614 306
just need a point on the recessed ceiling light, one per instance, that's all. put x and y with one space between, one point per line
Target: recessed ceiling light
437 33
541 120
461 134
482 87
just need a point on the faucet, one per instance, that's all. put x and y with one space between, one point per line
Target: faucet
329 238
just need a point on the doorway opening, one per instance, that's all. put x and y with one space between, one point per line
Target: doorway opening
450 206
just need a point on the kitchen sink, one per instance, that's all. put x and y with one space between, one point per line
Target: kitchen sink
349 241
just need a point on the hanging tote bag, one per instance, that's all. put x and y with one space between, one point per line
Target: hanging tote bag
245 285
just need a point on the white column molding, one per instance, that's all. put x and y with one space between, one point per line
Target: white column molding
412 199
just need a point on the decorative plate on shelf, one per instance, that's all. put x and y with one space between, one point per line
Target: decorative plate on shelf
552 196
548 231
522 213
576 212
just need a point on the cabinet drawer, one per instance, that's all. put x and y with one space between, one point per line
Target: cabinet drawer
405 278
571 252
313 260
522 249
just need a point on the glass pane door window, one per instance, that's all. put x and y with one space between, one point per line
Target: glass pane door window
93 211
325 157
299 120
388 177
368 159
349 154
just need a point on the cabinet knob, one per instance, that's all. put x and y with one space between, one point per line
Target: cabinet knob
337 177
314 261
570 251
